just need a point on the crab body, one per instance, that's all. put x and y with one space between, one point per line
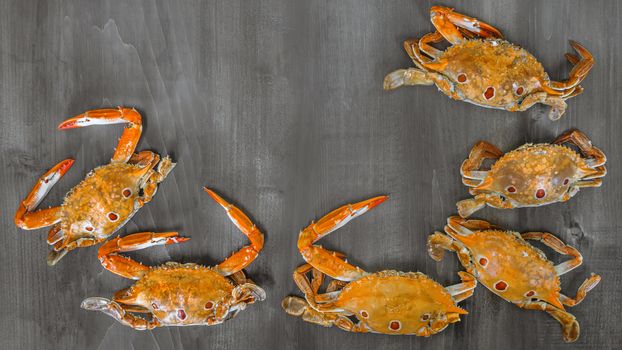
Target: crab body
491 73
179 294
106 199
513 269
118 186
481 68
398 303
388 302
531 175
158 292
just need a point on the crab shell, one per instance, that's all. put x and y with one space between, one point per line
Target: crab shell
103 202
182 294
491 72
393 302
535 175
511 268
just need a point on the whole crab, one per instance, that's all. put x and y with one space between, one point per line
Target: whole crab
180 294
389 302
106 199
483 69
512 268
531 175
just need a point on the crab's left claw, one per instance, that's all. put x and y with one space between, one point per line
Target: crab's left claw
28 219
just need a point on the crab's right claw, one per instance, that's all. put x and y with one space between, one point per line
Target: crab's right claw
131 134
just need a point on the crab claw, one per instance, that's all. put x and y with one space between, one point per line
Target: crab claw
102 117
129 138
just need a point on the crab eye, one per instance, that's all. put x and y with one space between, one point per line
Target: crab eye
154 306
127 192
501 286
489 93
520 90
462 78
566 181
209 305
364 314
395 325
425 317
181 314
540 193
511 189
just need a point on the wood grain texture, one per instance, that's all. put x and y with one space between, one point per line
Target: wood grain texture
279 106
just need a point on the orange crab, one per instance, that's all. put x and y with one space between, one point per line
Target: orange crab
512 268
389 302
483 69
109 196
180 294
531 175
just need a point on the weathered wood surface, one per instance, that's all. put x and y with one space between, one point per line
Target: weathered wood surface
279 106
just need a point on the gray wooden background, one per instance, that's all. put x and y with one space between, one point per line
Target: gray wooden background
279 106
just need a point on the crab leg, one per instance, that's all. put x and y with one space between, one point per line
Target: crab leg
589 183
448 22
463 290
243 257
480 151
585 287
556 244
424 44
55 235
119 313
310 287
324 260
299 307
439 242
25 218
570 326
596 157
131 134
126 267
580 69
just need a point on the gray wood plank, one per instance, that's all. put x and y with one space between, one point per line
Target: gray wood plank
279 106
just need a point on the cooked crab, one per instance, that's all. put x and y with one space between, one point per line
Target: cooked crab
180 294
389 302
512 268
531 175
481 68
109 196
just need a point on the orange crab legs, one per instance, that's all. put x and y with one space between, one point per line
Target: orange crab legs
579 71
126 267
473 177
596 157
557 245
243 257
120 312
324 260
25 217
453 25
131 134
